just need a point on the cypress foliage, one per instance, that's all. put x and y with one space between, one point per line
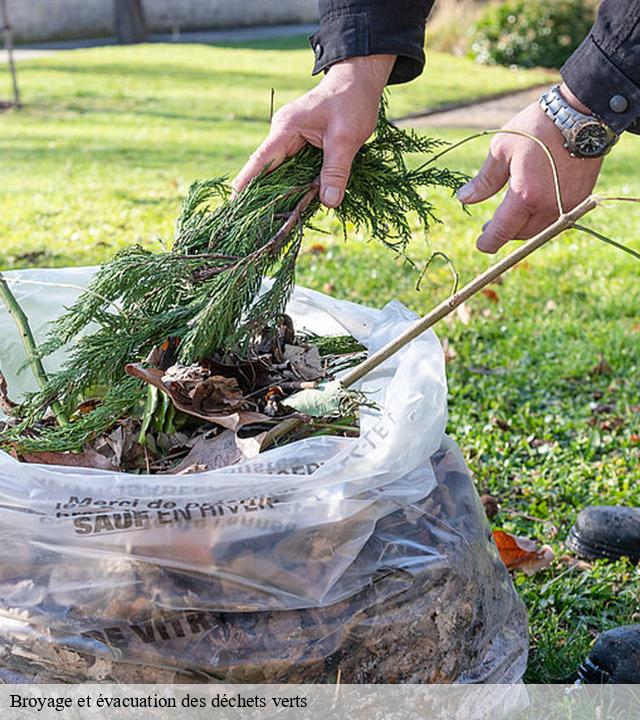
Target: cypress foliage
204 290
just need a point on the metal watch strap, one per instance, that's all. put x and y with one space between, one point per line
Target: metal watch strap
556 108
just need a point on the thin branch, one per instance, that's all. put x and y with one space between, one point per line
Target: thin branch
564 222
520 133
29 343
274 243
619 198
7 406
454 272
272 102
609 241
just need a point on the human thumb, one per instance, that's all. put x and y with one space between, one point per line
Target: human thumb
336 168
491 178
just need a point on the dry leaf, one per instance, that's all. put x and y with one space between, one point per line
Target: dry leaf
305 362
491 295
89 458
317 249
182 401
449 351
490 504
602 368
210 453
521 553
573 562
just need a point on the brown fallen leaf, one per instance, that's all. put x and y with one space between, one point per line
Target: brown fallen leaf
449 351
317 249
490 504
89 458
304 362
502 424
165 355
521 553
602 368
210 453
491 295
573 562
231 420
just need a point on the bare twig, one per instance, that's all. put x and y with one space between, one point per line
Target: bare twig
6 404
272 102
29 345
521 133
564 222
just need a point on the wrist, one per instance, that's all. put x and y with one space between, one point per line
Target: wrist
566 93
372 70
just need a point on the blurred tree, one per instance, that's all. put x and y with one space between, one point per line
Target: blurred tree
131 26
7 31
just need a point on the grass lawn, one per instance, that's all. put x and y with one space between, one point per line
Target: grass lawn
544 385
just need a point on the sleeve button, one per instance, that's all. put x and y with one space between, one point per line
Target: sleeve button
618 103
318 50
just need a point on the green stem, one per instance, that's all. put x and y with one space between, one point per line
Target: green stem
608 240
30 347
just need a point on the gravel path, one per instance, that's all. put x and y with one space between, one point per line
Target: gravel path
484 115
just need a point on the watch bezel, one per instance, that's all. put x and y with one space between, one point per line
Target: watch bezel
572 138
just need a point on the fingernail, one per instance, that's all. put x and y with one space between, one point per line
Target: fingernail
465 193
331 196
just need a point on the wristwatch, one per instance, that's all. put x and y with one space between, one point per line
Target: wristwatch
585 135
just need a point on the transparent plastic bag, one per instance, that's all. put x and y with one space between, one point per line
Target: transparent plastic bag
369 554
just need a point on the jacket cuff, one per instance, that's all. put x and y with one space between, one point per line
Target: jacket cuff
602 86
342 36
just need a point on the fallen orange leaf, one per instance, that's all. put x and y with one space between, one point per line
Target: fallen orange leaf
491 295
521 553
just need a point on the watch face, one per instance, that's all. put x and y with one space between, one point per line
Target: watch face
591 139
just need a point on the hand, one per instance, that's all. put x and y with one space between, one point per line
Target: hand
530 202
338 115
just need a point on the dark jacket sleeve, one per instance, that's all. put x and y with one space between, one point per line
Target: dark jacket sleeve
350 28
604 72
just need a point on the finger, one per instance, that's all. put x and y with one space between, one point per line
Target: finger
339 152
490 179
273 151
506 224
537 223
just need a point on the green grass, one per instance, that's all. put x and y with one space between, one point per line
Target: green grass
111 138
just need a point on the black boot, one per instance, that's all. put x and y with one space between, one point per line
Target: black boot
614 658
609 532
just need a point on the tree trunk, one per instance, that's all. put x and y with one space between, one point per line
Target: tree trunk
131 26
8 43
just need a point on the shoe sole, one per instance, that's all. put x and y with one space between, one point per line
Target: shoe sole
596 552
592 674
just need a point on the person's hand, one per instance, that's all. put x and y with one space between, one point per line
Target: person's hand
530 202
338 115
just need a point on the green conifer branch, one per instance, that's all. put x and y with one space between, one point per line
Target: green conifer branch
205 290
